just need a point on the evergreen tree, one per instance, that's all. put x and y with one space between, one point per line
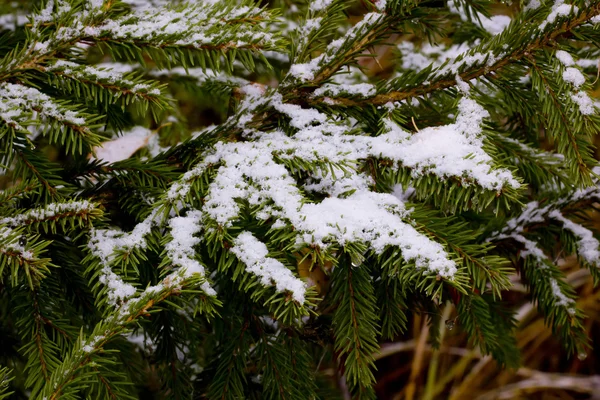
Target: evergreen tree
220 199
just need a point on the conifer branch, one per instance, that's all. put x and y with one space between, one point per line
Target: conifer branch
438 81
193 205
64 379
22 190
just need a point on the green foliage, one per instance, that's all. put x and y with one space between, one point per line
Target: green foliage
227 200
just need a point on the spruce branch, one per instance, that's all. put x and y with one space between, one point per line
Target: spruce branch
145 251
442 78
355 326
21 254
575 146
19 191
66 380
74 213
32 165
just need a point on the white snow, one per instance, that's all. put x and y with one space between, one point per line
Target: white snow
48 212
109 73
402 194
585 103
462 85
202 76
588 246
469 59
124 146
494 24
559 9
249 170
359 89
513 230
532 5
19 101
11 21
300 117
181 248
12 245
375 219
270 271
560 298
198 25
565 58
587 63
574 76
308 71
319 5
145 4
380 5
105 242
418 59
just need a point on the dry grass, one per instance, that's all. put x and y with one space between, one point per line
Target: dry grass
411 369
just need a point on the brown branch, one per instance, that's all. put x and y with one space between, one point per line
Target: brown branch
38 336
28 188
39 177
84 214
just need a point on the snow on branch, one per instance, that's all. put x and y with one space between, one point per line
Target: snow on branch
534 213
485 58
493 25
309 71
9 243
454 150
201 25
576 78
249 170
540 261
201 76
417 59
21 255
105 75
103 245
270 271
376 219
12 21
19 102
358 89
531 213
124 146
51 212
588 246
180 249
53 10
72 25
559 10
255 170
